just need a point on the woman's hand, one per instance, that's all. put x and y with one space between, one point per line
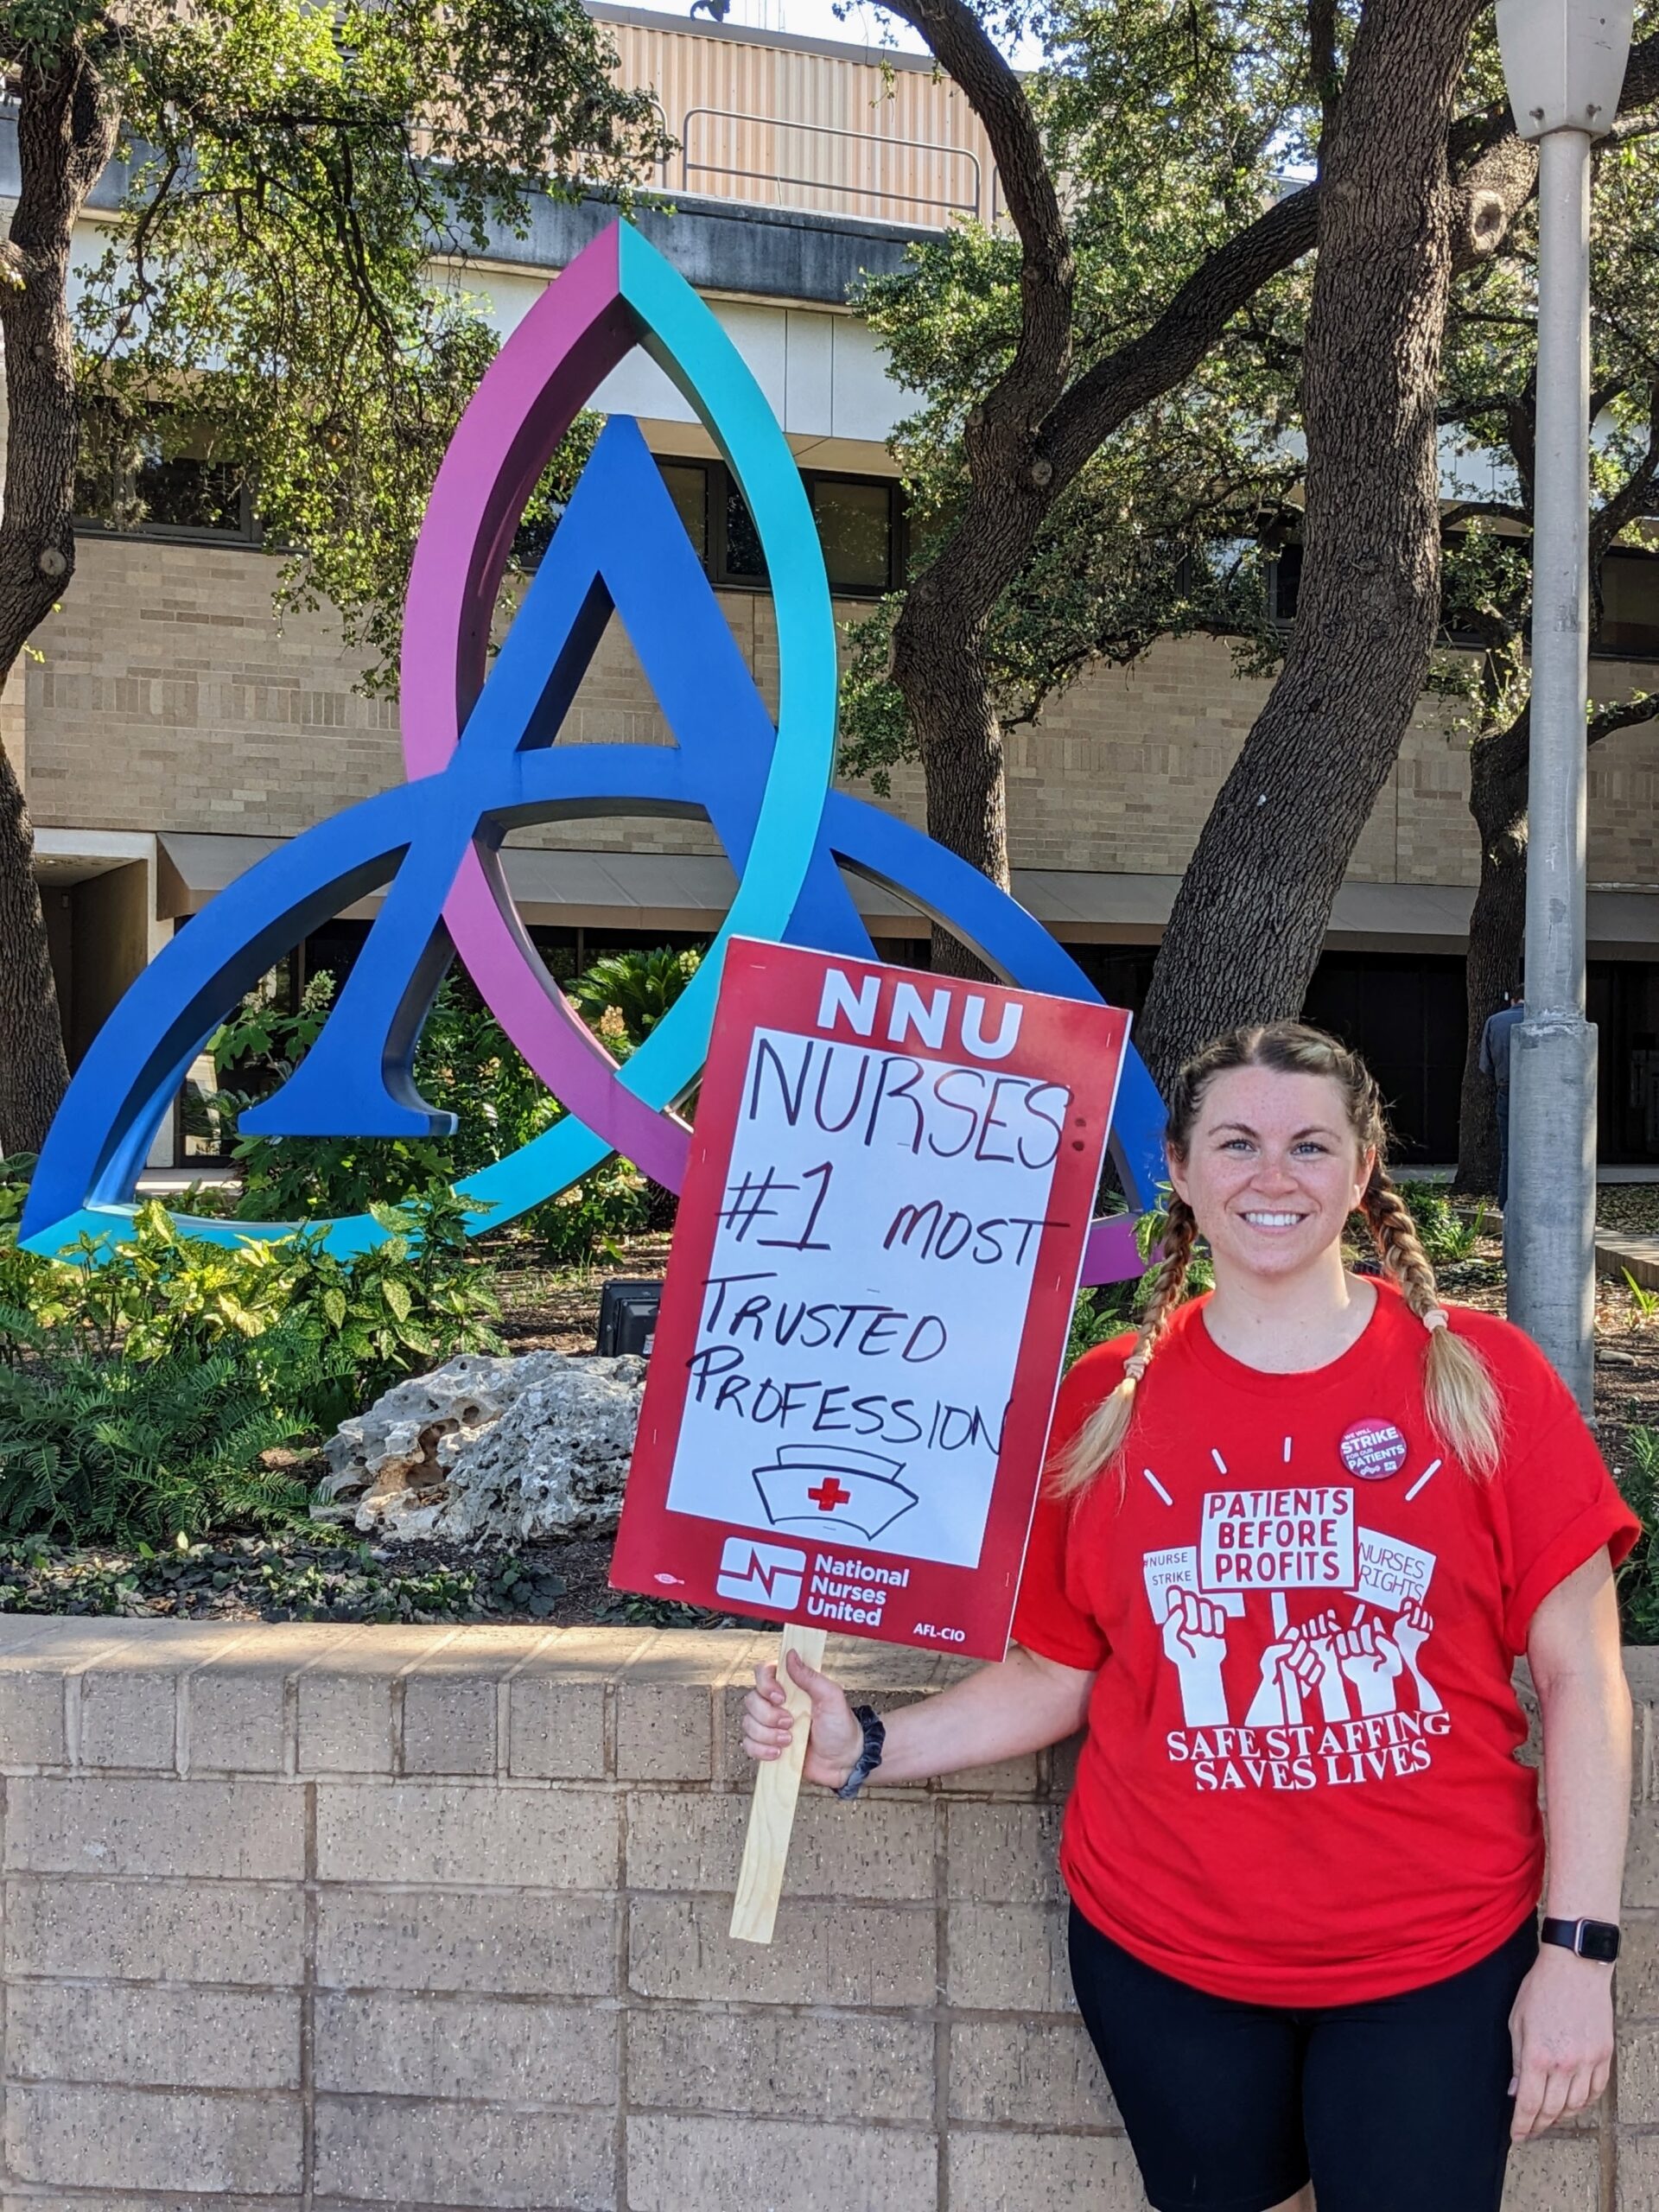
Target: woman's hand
1561 2033
836 1738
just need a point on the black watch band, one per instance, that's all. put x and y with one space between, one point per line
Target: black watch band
870 1758
1589 1939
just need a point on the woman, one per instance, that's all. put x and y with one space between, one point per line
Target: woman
1292 1538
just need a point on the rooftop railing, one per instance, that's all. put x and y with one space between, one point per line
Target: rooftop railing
732 155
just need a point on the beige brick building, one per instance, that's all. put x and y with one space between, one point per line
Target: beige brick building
172 732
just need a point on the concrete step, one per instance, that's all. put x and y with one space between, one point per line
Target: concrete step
1619 1251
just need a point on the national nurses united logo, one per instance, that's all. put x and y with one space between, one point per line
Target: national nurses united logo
479 746
1296 1633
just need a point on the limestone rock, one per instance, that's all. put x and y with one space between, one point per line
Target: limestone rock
502 1448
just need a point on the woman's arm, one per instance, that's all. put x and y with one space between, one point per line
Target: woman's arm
1562 2024
996 1713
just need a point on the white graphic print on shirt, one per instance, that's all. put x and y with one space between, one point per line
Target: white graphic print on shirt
1340 1695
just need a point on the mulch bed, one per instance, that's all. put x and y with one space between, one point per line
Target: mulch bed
554 1309
331 1575
1627 1342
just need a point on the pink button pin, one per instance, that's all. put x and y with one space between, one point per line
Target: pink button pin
1373 1450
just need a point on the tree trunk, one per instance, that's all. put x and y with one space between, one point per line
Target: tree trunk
66 131
1498 929
1253 907
941 666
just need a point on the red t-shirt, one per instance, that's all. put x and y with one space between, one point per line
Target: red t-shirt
1300 1784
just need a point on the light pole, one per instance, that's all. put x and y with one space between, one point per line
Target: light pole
1564 63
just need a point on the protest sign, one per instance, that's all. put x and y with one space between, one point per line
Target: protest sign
865 1311
1276 1539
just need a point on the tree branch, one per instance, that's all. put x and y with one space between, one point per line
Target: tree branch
1624 714
1047 273
1157 360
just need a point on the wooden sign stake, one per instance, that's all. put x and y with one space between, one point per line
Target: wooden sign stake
772 1810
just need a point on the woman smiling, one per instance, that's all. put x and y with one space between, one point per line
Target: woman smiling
1294 1536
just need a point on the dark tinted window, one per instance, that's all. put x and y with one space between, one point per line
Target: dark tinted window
688 486
855 528
1629 605
162 474
744 564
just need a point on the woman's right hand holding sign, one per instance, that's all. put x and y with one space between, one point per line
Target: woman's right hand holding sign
836 1737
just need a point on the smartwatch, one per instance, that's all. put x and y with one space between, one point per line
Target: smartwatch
1591 1939
870 1758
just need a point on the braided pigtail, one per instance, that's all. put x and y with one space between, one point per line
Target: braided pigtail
1101 1439
1459 1390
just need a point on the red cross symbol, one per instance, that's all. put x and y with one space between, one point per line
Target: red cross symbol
829 1495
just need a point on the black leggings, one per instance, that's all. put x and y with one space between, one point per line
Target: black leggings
1399 2105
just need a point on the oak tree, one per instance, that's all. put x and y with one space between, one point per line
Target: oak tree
1417 174
293 194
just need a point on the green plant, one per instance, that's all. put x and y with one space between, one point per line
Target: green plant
263 1034
15 1171
1646 1301
640 987
465 1066
417 1297
1108 1310
1638 1578
1099 1315
145 1381
1448 1235
584 1223
628 1610
98 1448
292 1576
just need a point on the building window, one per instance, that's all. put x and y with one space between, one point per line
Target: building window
857 527
860 523
861 527
1630 603
687 485
1630 606
161 475
741 561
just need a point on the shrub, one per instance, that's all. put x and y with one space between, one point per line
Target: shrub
584 1223
1109 1309
465 1064
1449 1234
97 1449
639 987
142 1384
418 1296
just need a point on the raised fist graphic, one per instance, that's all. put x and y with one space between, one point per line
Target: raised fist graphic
1371 1659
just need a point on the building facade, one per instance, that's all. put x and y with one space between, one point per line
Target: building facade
171 731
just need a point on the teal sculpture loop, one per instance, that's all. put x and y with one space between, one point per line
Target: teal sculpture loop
479 743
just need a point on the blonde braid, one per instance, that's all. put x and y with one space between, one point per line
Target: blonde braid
1102 1436
1398 1245
1457 1388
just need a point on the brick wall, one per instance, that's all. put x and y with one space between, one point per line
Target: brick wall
320 1918
167 698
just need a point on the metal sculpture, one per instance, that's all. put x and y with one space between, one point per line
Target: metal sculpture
478 746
